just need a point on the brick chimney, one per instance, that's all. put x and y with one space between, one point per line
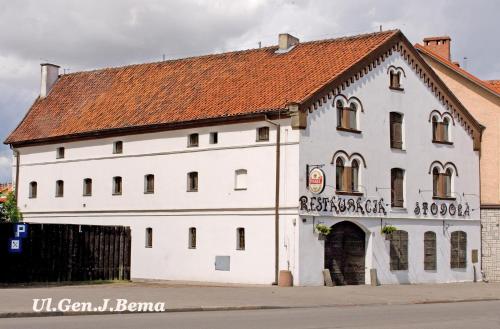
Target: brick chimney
286 42
50 74
439 45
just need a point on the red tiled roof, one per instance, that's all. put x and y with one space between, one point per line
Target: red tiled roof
494 84
485 84
206 87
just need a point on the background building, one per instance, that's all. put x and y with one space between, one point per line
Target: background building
186 153
482 98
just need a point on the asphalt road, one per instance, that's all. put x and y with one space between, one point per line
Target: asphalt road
475 315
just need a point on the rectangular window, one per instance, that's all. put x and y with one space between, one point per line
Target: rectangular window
396 130
214 138
118 147
192 182
33 190
193 140
149 183
397 187
458 244
192 238
60 153
262 134
87 187
117 185
399 250
240 238
430 258
59 189
395 80
149 237
240 179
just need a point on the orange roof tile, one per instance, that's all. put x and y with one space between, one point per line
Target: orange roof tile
225 85
494 84
485 84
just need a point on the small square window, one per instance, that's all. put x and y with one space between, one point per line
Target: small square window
60 153
262 134
214 138
118 147
193 140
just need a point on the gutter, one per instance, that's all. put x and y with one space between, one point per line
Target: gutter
276 200
16 154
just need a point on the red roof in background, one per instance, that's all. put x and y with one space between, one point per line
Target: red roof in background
491 85
206 87
4 190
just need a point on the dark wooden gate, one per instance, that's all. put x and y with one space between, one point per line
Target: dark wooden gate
345 254
64 252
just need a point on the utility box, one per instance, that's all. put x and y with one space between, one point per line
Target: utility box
222 263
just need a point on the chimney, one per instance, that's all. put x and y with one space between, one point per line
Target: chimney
50 73
286 42
439 46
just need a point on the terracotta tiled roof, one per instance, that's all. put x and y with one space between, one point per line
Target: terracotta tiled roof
4 190
199 88
494 84
485 84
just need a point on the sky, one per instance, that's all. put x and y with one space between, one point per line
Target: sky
90 34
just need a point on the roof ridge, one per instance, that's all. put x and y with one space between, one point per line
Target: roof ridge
349 37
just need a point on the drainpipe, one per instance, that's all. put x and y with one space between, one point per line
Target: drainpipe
276 200
16 190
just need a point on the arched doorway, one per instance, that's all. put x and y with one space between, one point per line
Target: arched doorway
345 254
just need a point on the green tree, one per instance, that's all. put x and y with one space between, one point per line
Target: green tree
9 211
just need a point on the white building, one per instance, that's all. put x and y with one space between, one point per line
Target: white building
184 152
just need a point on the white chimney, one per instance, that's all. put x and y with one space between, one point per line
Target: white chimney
50 73
286 42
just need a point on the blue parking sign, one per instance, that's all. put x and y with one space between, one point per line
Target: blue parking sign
21 230
15 246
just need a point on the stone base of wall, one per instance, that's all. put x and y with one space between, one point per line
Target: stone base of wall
490 232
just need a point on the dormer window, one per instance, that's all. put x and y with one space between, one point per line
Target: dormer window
347 116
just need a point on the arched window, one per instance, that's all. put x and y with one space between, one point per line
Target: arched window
240 179
192 238
458 254
353 108
149 184
347 116
399 250
430 257
447 182
339 174
33 191
397 187
435 128
445 130
87 187
441 129
395 80
149 237
355 176
59 189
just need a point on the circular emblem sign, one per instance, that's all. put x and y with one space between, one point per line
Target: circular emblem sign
316 181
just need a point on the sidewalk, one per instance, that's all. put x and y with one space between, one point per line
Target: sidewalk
18 302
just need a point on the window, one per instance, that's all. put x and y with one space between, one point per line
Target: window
193 140
240 238
192 182
214 138
33 190
347 178
395 78
149 237
397 189
396 130
118 147
87 187
440 130
60 153
442 183
346 116
262 134
192 238
117 185
240 179
59 189
458 254
399 250
149 183
430 258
